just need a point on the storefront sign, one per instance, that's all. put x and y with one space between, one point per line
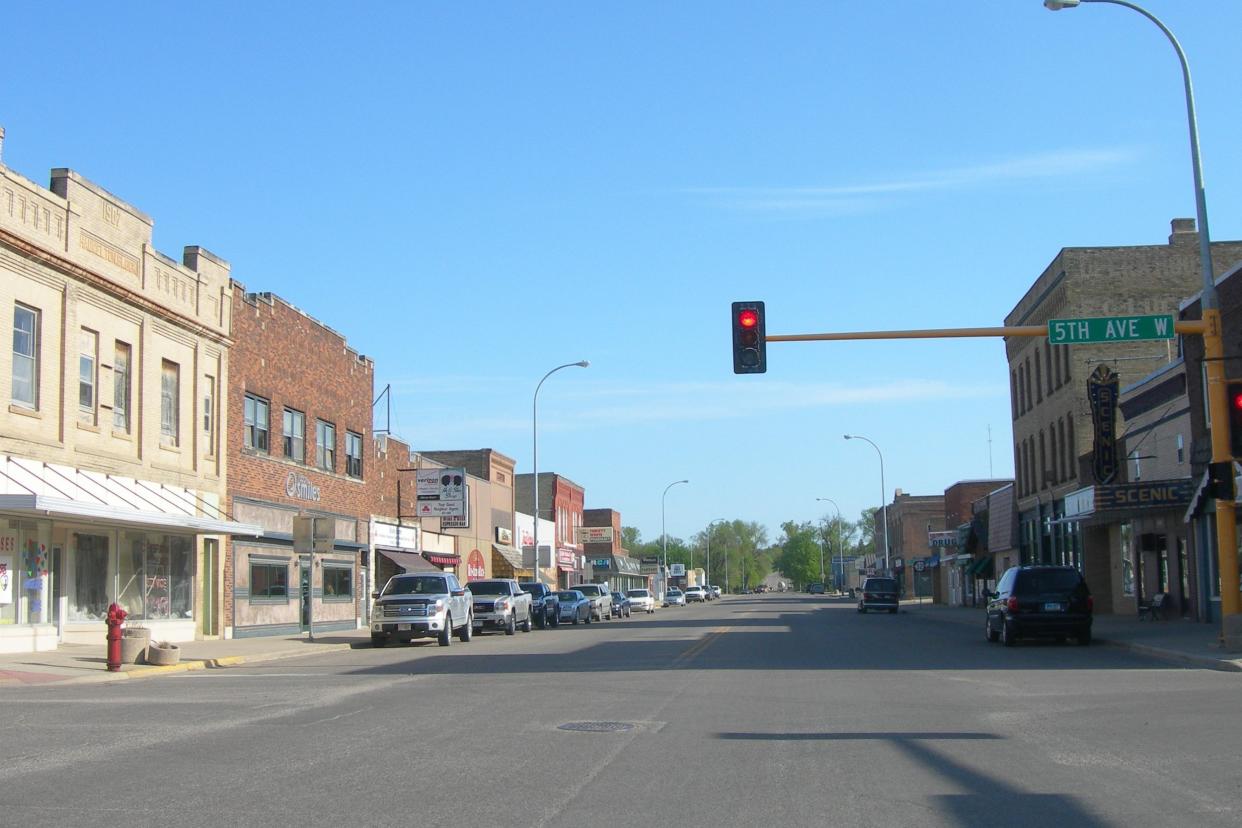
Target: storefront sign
476 568
939 539
298 485
459 519
919 566
601 563
6 575
1102 396
394 536
1081 502
1156 494
593 534
504 535
565 558
677 570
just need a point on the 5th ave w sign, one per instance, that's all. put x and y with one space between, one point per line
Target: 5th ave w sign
1110 329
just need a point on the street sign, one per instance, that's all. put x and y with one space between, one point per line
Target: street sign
1110 329
443 493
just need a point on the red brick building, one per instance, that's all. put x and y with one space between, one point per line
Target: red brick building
300 406
561 501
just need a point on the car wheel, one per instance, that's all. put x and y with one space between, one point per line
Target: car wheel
511 625
556 620
989 633
575 622
893 611
446 634
588 618
526 626
379 640
1084 636
467 630
1008 636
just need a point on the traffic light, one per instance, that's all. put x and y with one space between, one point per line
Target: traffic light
750 346
1233 390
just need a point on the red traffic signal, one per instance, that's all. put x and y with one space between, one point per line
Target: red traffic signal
1233 391
750 347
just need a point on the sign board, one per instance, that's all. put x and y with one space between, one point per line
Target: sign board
593 534
601 563
919 566
395 536
460 520
476 567
677 570
938 539
6 579
442 492
1110 329
504 535
313 534
528 556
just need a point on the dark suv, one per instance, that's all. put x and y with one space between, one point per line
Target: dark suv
879 593
1039 601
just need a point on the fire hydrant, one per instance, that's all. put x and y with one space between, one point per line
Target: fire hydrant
116 617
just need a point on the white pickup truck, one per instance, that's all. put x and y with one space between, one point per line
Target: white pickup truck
500 603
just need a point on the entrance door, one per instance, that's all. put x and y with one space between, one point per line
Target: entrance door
211 584
305 592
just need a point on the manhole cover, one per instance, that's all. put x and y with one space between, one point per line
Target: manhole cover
597 727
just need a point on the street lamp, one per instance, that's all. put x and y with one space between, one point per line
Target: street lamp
664 532
708 571
840 551
534 427
883 494
1213 348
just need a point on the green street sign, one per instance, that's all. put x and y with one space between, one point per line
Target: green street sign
1110 329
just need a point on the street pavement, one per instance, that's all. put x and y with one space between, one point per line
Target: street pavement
755 710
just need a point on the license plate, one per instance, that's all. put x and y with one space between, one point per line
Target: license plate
403 628
1053 607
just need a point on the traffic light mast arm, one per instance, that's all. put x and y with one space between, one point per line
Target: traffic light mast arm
1187 327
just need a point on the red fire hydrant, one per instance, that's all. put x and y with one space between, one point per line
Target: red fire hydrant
116 617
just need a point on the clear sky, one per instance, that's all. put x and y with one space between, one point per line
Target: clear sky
474 193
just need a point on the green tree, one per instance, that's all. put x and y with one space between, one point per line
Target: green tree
799 553
737 555
631 538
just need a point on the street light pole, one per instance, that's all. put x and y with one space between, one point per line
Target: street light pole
664 532
883 495
1213 351
840 552
534 427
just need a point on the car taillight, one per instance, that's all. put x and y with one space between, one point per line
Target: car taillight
867 596
1012 603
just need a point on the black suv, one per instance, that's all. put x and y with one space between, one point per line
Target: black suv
1039 601
878 593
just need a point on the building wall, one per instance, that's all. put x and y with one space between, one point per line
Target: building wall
295 362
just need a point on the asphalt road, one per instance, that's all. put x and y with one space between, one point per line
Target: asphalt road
764 710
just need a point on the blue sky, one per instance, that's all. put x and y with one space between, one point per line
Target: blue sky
475 193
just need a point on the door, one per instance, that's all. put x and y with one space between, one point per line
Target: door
211 584
305 593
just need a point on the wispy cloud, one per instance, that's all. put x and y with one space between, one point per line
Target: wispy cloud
869 196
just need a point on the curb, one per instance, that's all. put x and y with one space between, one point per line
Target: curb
1224 665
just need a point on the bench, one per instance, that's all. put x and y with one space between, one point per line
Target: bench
1152 609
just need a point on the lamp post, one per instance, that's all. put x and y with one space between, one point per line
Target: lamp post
840 552
1213 349
708 571
534 427
883 494
664 532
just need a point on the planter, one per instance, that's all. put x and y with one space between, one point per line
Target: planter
134 643
163 654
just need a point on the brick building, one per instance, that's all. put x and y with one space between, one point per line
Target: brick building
561 501
300 400
963 514
1053 432
606 559
112 471
910 519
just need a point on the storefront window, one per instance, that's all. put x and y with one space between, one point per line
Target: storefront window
269 580
1127 559
338 583
157 576
88 601
25 573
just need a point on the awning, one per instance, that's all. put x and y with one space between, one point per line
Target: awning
981 568
442 560
408 561
40 506
512 556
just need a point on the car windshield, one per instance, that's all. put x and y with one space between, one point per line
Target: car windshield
489 588
1050 580
637 593
569 596
589 589
533 589
618 596
674 592
416 585
881 585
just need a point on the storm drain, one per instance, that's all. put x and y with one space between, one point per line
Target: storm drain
597 727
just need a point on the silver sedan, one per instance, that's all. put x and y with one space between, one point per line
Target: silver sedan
574 606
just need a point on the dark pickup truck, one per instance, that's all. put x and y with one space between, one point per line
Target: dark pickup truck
544 605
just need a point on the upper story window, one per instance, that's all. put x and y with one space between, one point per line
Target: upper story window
88 360
294 431
209 410
170 397
353 454
26 356
325 445
121 371
255 426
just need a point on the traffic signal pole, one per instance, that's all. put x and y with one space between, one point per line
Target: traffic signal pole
1209 327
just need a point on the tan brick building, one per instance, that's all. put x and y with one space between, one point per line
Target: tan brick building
112 468
299 434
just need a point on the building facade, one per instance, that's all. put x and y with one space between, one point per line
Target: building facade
1058 449
561 501
606 559
911 520
485 536
300 400
112 468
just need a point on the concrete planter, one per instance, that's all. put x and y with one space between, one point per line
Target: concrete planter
163 654
134 644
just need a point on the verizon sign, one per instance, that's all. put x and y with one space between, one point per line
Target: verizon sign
593 534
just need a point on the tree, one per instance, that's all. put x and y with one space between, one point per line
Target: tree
799 553
631 538
737 556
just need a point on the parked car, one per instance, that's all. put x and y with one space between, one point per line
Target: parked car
600 598
815 589
879 593
572 606
422 606
674 597
501 604
695 593
621 605
1040 601
715 590
542 604
641 600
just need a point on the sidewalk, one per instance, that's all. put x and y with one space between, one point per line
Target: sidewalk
83 663
1178 641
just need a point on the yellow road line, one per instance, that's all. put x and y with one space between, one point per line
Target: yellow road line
699 646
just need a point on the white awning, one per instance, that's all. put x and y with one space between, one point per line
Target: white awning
39 506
